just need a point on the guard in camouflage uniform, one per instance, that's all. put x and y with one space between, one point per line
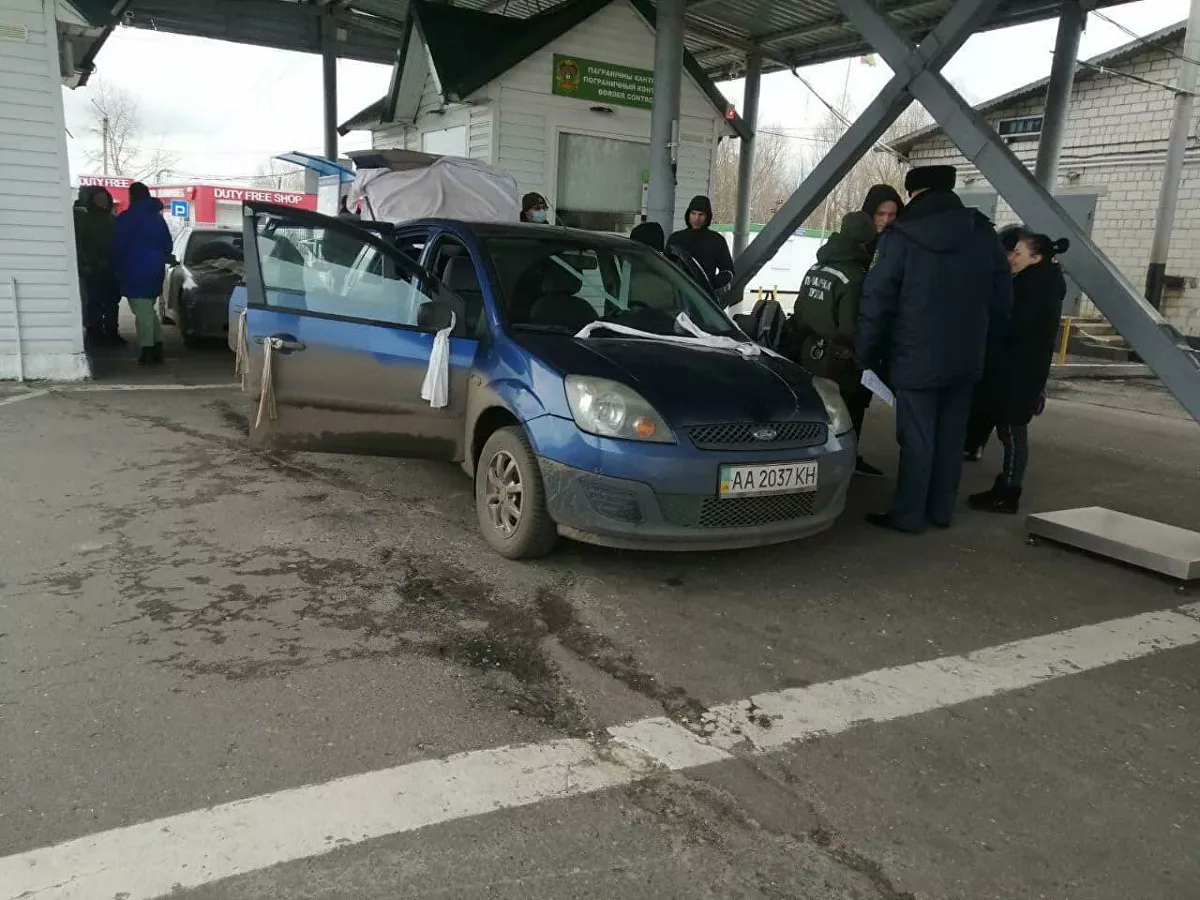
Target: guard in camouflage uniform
826 317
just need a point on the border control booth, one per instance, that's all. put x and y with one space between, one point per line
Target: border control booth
561 101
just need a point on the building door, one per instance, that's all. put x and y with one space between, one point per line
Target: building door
600 182
1082 210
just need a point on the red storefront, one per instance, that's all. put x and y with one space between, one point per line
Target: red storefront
206 204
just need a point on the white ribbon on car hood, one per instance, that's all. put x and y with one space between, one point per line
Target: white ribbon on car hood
698 337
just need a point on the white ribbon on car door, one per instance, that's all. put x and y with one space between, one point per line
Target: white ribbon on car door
436 387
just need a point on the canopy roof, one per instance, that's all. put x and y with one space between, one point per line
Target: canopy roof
720 33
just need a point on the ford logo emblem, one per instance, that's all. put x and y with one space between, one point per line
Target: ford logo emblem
764 433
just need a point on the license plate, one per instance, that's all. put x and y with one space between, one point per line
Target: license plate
770 478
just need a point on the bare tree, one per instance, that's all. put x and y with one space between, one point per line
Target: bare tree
777 172
281 176
117 125
880 165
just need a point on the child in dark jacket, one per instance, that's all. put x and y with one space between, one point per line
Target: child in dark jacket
1019 364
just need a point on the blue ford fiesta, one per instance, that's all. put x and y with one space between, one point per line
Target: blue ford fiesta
590 388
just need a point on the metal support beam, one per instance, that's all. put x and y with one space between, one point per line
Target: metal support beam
1071 22
329 49
1155 341
745 185
1181 127
664 112
963 20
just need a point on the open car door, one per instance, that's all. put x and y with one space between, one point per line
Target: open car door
336 350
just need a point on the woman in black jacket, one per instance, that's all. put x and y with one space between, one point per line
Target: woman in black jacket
1019 363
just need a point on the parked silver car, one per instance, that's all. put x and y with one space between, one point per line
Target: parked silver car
208 265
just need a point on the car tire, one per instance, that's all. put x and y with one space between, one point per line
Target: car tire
520 528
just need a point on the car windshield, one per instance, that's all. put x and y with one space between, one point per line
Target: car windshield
560 284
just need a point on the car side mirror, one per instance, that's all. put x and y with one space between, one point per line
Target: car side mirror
434 315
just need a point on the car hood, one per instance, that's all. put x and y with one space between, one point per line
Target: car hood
689 385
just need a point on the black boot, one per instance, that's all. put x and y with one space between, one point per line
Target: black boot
146 357
1009 501
159 354
986 500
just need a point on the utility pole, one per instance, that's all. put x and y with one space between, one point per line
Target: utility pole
1181 128
104 131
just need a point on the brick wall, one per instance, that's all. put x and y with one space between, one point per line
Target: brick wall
1114 147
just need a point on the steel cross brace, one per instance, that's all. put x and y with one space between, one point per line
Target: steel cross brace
1158 344
964 19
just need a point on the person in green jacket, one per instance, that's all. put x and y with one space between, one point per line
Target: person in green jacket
826 316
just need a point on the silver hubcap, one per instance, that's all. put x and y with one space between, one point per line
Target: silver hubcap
504 493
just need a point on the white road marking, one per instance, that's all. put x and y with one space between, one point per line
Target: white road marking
106 388
17 398
152 859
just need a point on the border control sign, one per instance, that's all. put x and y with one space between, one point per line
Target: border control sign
601 82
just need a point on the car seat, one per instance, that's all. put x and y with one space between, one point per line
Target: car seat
557 304
460 276
766 323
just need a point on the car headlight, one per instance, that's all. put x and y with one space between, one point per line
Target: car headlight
610 409
835 406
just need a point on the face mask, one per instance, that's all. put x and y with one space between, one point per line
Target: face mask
541 216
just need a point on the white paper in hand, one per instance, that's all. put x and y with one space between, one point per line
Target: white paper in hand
436 387
875 385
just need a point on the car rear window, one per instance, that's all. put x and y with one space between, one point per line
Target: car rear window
213 244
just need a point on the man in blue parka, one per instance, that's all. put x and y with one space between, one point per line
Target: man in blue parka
939 279
141 247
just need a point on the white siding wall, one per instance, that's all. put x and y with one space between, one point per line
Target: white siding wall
530 117
1115 147
432 115
37 244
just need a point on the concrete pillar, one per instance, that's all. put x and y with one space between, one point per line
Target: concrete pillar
745 185
1058 93
664 114
1181 127
329 85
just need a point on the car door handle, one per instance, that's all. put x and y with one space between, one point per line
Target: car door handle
285 342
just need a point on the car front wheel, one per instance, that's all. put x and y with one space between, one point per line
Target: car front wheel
510 498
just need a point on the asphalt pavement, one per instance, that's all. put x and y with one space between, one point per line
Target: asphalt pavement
187 623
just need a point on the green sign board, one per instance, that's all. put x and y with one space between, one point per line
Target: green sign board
601 82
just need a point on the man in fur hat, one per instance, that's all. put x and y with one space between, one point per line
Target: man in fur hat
939 278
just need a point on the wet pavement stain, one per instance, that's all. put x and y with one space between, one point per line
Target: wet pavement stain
760 860
210 610
596 649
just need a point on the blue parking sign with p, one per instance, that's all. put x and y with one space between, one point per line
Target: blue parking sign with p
179 209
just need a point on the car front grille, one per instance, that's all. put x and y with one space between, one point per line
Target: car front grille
741 435
736 512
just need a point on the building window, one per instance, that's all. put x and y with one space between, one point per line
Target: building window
600 182
1020 128
445 141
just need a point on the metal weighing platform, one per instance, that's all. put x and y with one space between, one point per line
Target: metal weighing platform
1171 551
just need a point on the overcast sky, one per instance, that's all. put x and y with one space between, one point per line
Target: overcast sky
224 109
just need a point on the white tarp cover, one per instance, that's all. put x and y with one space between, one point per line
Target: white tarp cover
444 187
